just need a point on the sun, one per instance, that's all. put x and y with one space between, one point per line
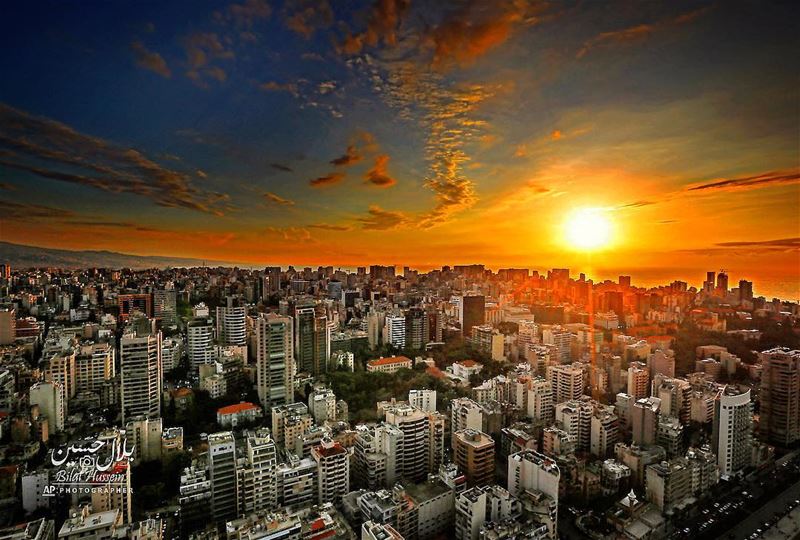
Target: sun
587 229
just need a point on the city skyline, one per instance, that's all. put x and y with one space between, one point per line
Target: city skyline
409 132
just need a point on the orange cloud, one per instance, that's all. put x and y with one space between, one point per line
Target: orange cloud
378 219
378 175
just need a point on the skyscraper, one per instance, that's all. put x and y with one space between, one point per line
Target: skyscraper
165 305
779 419
312 340
231 323
471 312
333 468
416 328
394 332
258 486
733 427
473 452
274 360
140 366
199 341
223 476
566 381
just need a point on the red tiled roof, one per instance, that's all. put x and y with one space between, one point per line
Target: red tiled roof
468 363
236 408
389 360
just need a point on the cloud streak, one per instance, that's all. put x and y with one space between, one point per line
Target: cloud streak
277 199
781 177
49 149
327 180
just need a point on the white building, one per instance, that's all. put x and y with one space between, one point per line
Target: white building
49 396
423 399
733 429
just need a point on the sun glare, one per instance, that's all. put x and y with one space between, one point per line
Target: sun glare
588 229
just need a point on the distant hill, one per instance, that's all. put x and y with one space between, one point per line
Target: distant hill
21 256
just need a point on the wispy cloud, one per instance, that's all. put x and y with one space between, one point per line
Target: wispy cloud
328 227
766 179
327 180
281 167
277 199
52 150
637 33
150 60
23 211
792 243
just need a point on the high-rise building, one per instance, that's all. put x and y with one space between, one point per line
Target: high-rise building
165 305
471 312
200 342
376 453
8 325
465 413
540 400
424 399
312 340
473 453
223 476
534 472
144 434
270 281
566 381
733 428
745 291
416 328
479 505
333 470
575 417
644 420
722 283
274 360
50 399
638 380
258 491
779 417
394 332
232 323
415 447
94 365
140 366
131 303
604 432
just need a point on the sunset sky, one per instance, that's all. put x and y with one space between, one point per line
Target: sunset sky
412 132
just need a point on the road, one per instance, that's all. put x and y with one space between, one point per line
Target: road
778 505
